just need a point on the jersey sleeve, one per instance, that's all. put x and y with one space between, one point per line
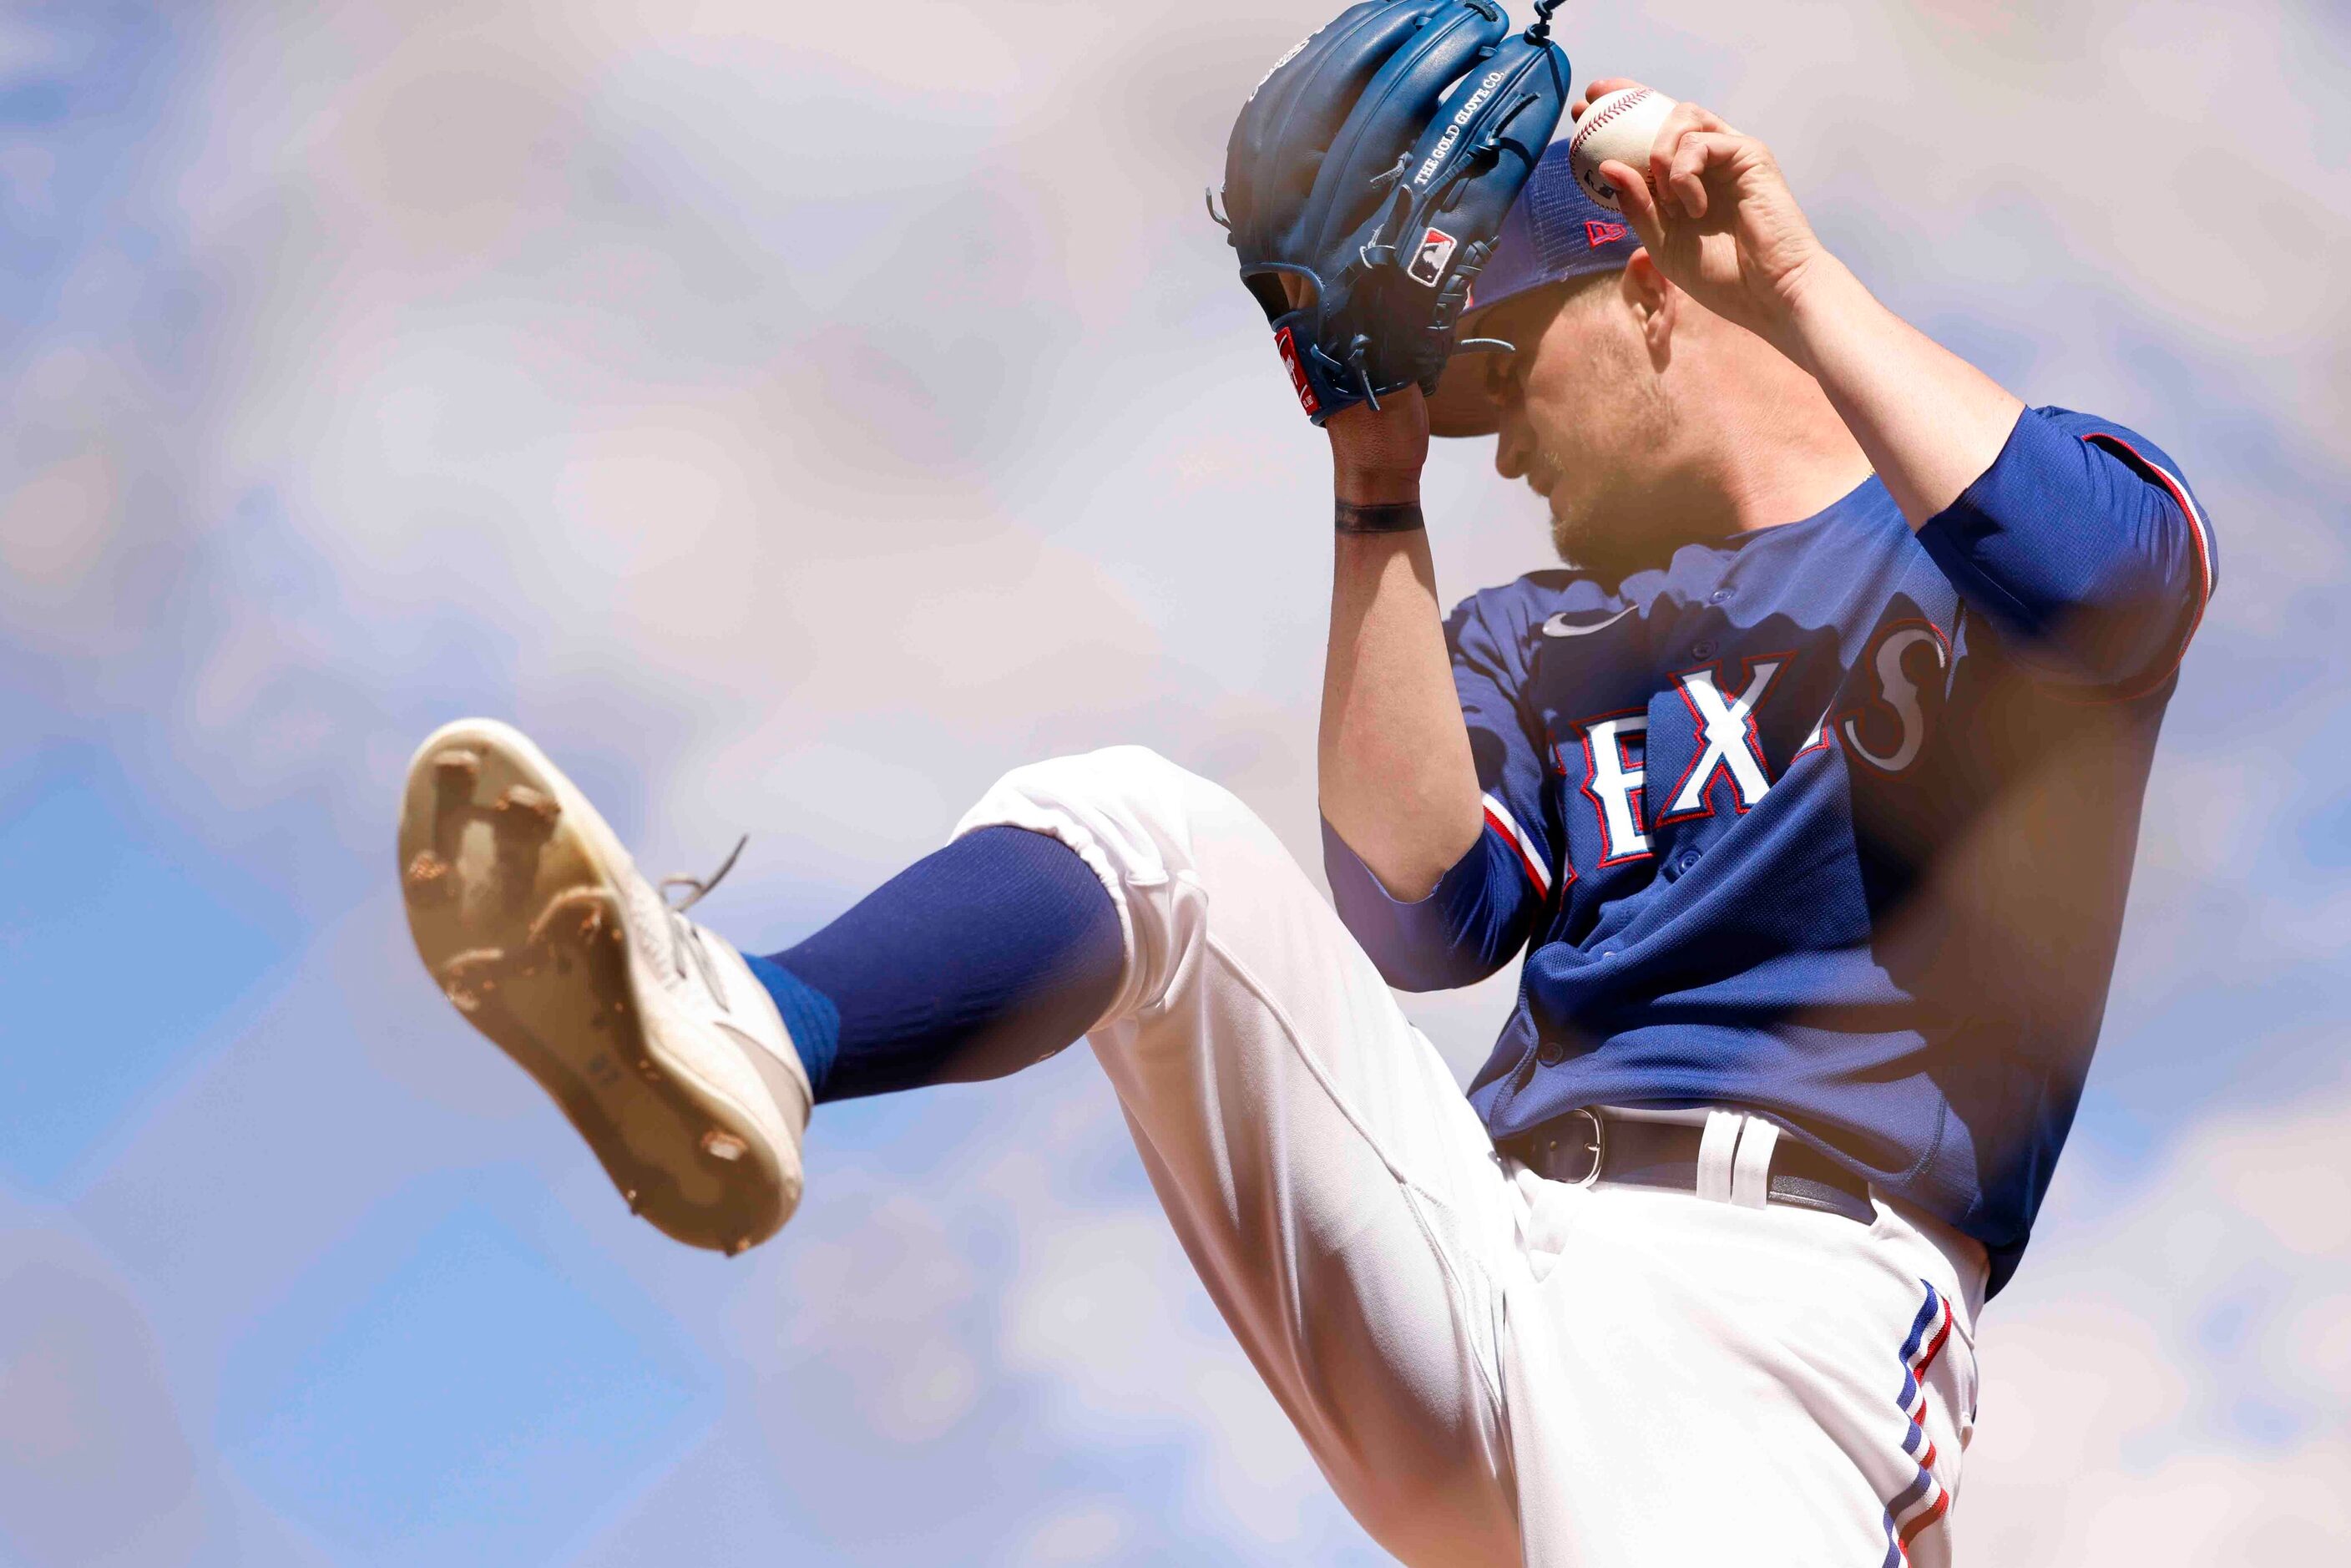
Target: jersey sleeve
1479 914
2084 545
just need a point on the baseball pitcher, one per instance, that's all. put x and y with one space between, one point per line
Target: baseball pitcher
1804 791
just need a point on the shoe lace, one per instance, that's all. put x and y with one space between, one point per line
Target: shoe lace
699 887
686 938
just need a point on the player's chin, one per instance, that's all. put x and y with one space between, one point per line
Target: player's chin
1609 553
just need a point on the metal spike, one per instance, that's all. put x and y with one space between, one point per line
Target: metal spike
524 819
573 917
429 880
455 773
456 765
469 977
528 808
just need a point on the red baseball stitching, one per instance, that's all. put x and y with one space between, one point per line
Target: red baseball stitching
1575 143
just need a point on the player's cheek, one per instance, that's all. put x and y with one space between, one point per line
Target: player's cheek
1572 436
1610 443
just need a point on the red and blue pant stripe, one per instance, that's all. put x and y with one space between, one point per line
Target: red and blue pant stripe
1923 1503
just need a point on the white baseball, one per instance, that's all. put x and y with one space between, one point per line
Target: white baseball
1622 126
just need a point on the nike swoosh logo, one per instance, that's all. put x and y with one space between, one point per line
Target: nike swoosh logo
1557 626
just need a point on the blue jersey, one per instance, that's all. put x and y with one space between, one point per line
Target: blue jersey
1830 821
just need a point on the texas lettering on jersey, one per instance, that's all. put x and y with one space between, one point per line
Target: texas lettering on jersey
1720 726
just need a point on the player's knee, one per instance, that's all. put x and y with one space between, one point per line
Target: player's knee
1133 785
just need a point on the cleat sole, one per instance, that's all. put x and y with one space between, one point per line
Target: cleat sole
512 887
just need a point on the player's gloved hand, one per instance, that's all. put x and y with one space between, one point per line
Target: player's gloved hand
1718 219
1367 176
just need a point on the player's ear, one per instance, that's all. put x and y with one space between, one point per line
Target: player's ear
1656 304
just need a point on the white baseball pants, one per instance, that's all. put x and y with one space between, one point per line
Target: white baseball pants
1490 1367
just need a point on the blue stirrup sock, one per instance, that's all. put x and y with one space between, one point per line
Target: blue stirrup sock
996 951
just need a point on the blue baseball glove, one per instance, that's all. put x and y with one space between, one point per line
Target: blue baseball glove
1367 177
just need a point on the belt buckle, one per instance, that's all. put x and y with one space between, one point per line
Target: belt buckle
1598 1145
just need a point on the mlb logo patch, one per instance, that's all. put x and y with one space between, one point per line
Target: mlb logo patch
1289 347
1436 249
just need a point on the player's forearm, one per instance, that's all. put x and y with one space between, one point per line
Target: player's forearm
1930 421
1398 780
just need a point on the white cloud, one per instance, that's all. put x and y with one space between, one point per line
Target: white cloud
1106 1311
2165 1382
1094 1533
804 412
882 1305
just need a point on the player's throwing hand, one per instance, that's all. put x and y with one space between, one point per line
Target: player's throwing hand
1717 218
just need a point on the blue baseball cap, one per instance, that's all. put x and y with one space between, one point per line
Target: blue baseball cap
1552 234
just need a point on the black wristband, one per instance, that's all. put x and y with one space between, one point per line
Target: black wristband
1387 517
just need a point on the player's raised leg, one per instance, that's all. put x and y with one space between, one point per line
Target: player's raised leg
1339 1198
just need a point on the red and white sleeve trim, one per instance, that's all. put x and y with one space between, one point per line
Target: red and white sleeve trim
1499 818
2199 533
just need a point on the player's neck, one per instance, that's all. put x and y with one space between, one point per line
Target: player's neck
1774 449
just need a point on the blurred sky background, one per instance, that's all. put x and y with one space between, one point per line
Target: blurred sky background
795 413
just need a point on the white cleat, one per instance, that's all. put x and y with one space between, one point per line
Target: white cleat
655 1038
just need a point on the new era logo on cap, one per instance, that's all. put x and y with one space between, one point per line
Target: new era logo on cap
1554 232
